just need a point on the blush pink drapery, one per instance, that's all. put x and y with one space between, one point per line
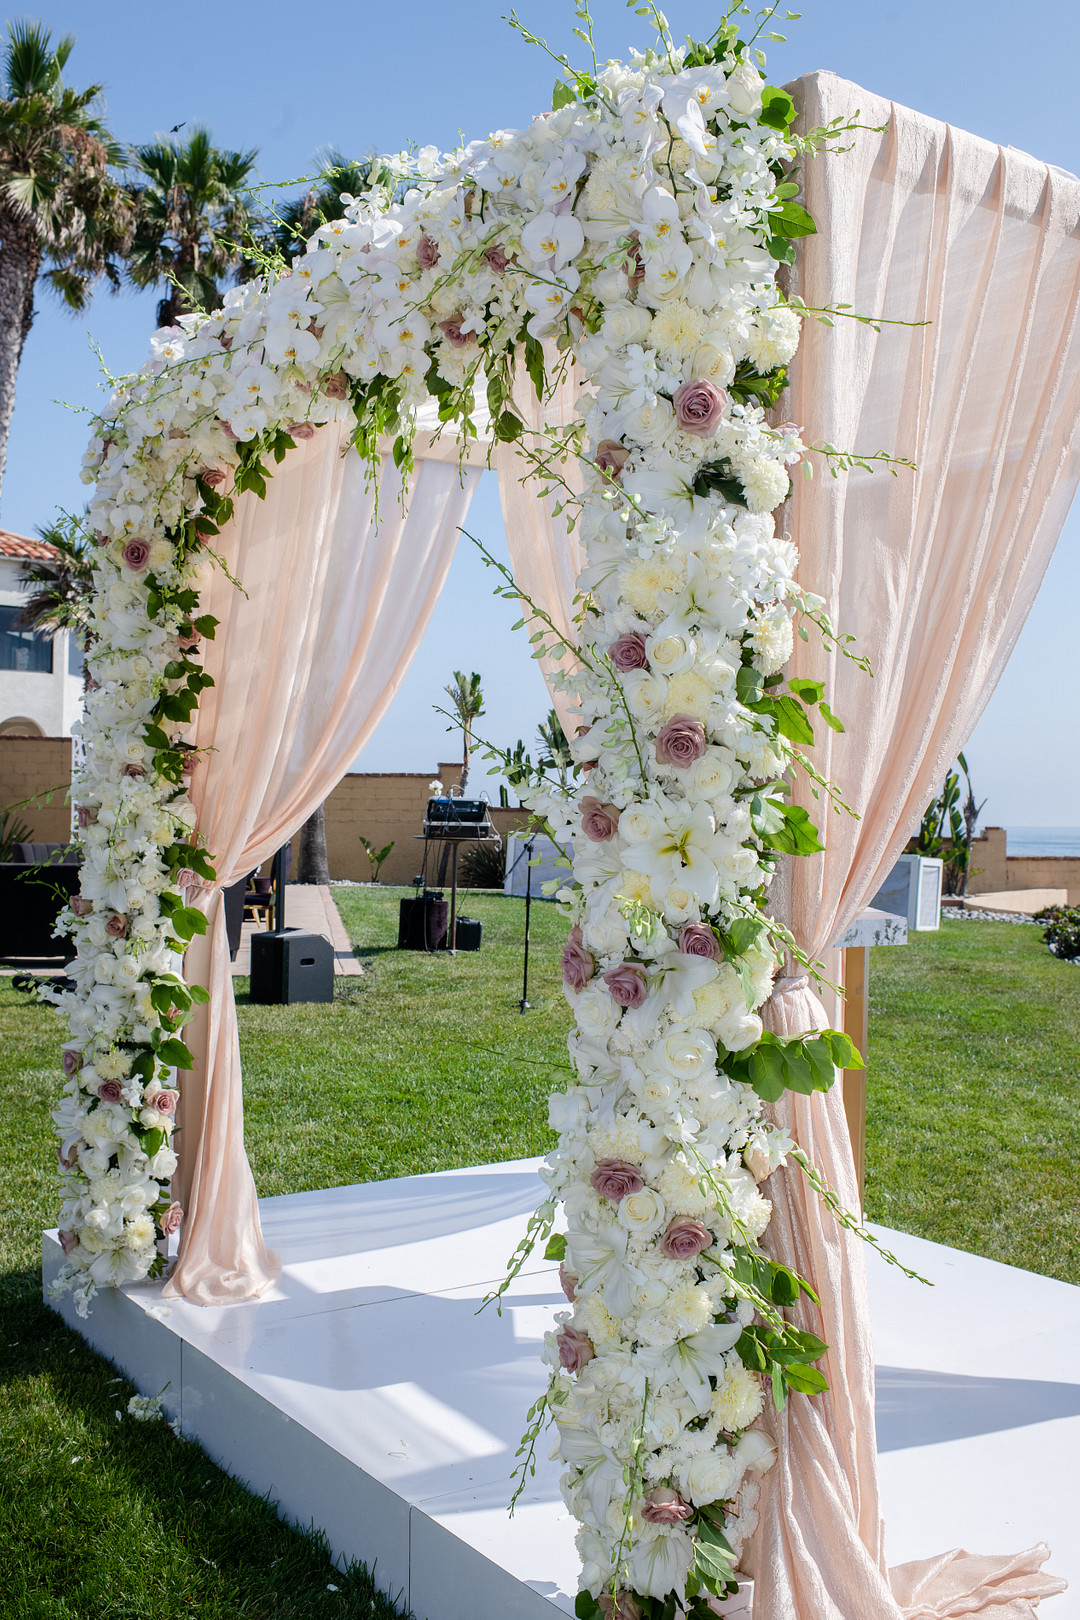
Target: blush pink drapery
306 660
934 574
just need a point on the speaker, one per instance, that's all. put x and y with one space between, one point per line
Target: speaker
468 934
422 923
291 966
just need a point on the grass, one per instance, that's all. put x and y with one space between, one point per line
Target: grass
425 1064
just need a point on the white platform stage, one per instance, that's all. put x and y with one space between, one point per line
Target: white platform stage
366 1395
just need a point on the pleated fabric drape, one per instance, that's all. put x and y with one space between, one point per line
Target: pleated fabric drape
306 660
934 574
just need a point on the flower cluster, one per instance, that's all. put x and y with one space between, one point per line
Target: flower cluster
633 232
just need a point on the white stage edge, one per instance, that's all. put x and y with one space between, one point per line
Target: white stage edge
367 1396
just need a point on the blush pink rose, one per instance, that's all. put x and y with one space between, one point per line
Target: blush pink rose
427 252
613 1179
80 906
165 1101
72 1062
85 815
699 407
116 927
137 555
69 1241
212 476
575 1349
681 742
665 1506
451 330
336 385
628 652
578 966
110 1091
170 1221
568 1283
301 430
626 983
68 1158
135 771
598 821
685 1238
698 939
495 258
611 457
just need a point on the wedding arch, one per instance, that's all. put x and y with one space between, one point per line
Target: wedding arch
592 306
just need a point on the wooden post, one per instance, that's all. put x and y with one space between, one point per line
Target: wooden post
857 1026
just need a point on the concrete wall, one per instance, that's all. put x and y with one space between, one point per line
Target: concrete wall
993 871
38 768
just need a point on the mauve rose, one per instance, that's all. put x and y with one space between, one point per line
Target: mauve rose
189 761
185 877
69 1241
427 252
685 1238
212 476
170 1221
301 430
681 742
165 1101
628 652
495 259
227 430
116 927
698 939
623 1606
110 1091
72 1062
613 1179
598 821
568 1283
69 1159
85 815
336 385
699 407
578 966
135 770
137 554
611 457
451 330
626 983
575 1350
81 907
665 1506
102 538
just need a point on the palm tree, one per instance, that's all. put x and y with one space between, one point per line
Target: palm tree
293 222
467 702
61 586
60 205
193 217
556 755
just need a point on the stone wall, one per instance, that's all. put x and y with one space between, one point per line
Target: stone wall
993 871
37 769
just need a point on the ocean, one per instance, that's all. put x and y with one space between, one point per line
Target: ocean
1043 840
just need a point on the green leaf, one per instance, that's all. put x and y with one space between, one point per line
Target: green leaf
829 717
586 1606
796 836
748 684
845 1054
785 1286
782 251
188 920
821 1062
562 95
534 364
790 220
805 1380
777 108
809 691
151 1139
742 934
174 1053
798 1075
508 427
791 720
766 1073
714 1561
556 1247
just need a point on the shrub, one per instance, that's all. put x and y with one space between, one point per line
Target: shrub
483 867
1061 930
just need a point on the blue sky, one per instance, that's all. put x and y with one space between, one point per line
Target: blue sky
291 80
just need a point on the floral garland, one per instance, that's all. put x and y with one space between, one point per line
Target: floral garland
637 229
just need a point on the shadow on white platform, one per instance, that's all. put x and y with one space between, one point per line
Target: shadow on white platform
365 1394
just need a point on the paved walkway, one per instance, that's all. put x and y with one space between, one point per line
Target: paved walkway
309 906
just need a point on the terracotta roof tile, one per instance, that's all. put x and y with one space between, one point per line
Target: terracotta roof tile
17 545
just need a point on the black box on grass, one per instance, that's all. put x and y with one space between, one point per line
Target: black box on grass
422 923
291 966
468 933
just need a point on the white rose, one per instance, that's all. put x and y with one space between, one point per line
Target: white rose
686 1054
163 1164
642 1213
636 823
715 773
649 1296
680 905
645 693
711 1476
744 90
596 1013
626 323
738 1029
713 362
652 424
755 1450
670 655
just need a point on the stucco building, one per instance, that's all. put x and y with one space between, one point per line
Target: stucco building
41 681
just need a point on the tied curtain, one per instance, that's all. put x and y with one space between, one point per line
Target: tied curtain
306 659
934 574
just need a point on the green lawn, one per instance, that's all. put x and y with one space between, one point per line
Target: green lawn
425 1064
